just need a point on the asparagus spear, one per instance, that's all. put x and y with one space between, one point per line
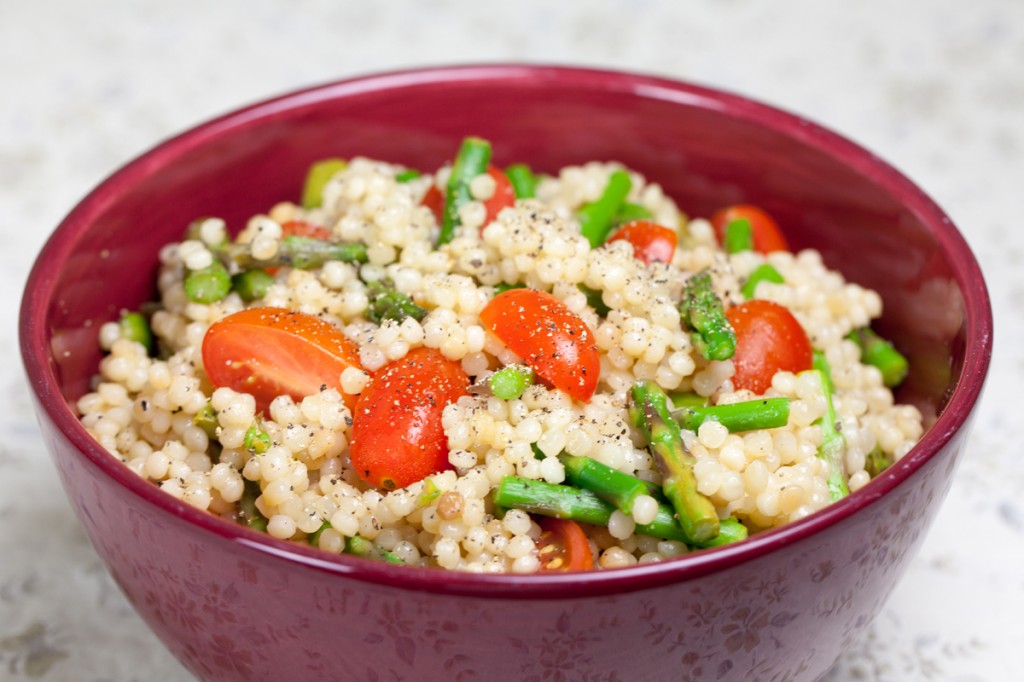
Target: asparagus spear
134 327
595 300
252 284
739 236
407 175
209 284
649 412
524 182
630 212
877 461
472 159
611 485
318 175
763 413
596 217
249 515
832 442
568 502
762 273
509 382
703 313
297 252
387 303
876 351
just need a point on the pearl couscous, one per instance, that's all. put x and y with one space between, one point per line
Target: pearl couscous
284 463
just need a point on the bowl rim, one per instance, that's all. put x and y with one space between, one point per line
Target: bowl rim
962 400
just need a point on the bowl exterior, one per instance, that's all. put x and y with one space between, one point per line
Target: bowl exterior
232 604
230 613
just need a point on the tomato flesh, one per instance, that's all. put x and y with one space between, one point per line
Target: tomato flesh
651 242
268 352
397 435
503 197
767 235
300 228
549 337
563 546
768 339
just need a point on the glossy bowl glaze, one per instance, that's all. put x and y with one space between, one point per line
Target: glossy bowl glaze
233 604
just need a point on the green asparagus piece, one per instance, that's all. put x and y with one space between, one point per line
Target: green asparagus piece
430 492
762 273
206 419
877 352
832 442
248 514
595 300
596 217
609 484
877 461
502 287
318 175
509 382
209 284
134 327
630 212
750 415
703 313
387 303
524 182
294 251
683 400
407 175
314 537
739 236
585 506
256 440
252 284
730 530
648 409
360 546
472 159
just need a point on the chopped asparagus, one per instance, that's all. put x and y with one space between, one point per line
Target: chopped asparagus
387 303
209 284
407 175
317 177
134 327
252 284
648 409
703 313
762 273
297 252
509 382
360 546
877 461
596 217
877 352
629 212
832 442
609 484
750 415
248 514
524 182
472 160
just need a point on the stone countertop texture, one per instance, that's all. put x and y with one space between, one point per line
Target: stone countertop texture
936 87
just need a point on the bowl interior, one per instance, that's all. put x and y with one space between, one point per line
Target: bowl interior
706 149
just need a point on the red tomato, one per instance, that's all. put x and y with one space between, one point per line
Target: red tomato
434 200
300 228
563 546
268 352
503 197
768 339
651 242
549 337
397 437
767 235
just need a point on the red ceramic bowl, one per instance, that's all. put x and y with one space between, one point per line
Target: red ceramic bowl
233 604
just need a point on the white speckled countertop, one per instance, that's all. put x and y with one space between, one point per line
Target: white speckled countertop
934 86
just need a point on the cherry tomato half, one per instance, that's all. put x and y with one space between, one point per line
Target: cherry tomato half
503 197
768 339
563 546
766 233
300 228
397 436
268 352
651 242
549 337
